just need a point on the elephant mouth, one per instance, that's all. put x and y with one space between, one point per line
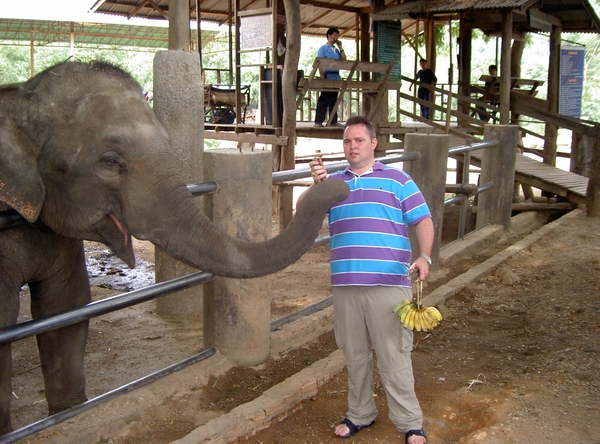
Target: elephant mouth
116 236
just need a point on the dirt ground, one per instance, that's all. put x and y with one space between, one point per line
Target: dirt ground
515 360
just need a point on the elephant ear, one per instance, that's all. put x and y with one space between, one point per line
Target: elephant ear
21 186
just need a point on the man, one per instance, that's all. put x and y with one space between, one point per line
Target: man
370 258
425 75
327 99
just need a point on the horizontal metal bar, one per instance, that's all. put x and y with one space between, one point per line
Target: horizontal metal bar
282 176
69 317
473 146
460 197
203 188
59 417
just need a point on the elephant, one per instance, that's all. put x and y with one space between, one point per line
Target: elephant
84 158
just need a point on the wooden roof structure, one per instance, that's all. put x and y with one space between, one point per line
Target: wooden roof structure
528 15
316 16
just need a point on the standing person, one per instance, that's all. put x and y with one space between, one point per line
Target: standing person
370 258
425 75
327 99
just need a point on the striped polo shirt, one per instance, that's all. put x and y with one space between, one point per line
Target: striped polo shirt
369 230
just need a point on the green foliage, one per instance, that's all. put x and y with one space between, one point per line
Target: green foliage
15 61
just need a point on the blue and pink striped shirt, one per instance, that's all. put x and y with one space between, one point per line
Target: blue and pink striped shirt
369 230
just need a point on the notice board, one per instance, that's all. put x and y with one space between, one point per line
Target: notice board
388 46
572 60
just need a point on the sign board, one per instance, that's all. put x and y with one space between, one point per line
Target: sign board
539 20
571 80
388 46
256 31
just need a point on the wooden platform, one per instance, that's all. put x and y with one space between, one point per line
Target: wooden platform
571 186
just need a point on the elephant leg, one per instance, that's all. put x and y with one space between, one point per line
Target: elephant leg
8 316
62 350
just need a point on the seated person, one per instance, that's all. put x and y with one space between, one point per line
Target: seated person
492 100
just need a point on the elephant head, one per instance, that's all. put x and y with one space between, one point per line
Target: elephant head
83 153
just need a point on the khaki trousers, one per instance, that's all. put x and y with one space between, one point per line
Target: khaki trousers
364 321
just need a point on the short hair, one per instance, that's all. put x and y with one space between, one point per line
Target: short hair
361 120
332 31
423 60
492 67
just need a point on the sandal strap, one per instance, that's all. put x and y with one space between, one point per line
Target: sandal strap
419 432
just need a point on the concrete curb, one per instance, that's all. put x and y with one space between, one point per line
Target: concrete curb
285 398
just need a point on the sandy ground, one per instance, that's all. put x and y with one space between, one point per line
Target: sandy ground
516 359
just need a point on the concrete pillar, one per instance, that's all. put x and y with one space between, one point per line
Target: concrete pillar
237 312
178 105
429 173
498 166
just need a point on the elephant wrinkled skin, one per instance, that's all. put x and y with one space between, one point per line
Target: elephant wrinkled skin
83 157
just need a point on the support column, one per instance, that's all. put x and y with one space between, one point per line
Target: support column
551 130
429 173
498 166
237 312
507 24
178 98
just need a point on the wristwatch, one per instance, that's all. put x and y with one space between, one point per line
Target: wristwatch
427 258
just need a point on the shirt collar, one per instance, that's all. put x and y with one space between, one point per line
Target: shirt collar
376 166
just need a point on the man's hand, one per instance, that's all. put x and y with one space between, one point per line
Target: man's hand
318 170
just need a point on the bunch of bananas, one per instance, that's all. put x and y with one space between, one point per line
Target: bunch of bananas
416 317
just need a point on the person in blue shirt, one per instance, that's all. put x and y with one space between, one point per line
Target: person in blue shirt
327 99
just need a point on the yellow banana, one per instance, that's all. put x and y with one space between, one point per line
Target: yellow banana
406 320
404 311
411 319
431 320
401 305
418 319
435 313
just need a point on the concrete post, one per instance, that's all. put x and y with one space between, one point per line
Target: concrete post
237 312
429 173
178 105
498 166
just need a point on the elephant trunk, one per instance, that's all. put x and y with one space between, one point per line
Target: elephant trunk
199 243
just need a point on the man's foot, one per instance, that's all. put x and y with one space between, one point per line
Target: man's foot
348 429
336 124
416 437
319 125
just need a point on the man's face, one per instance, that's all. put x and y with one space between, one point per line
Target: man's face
359 148
333 37
423 65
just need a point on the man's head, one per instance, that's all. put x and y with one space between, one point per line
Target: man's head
360 142
423 63
333 34
493 70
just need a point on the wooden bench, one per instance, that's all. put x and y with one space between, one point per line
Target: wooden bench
312 83
528 85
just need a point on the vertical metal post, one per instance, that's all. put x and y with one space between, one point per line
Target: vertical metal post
464 205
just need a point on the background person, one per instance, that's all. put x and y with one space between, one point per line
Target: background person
425 75
370 258
490 98
327 99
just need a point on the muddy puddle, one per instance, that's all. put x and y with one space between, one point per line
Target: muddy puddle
106 270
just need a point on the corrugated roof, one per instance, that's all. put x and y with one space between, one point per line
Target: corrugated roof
48 32
574 15
316 16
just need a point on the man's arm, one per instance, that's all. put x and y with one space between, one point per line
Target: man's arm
425 237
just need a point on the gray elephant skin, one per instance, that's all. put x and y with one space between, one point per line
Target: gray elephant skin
83 157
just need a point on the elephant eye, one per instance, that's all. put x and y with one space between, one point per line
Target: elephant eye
112 162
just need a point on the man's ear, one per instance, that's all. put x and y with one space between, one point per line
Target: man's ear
21 186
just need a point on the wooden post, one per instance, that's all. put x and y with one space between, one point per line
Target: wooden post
593 190
498 166
288 88
429 173
551 131
179 25
505 67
